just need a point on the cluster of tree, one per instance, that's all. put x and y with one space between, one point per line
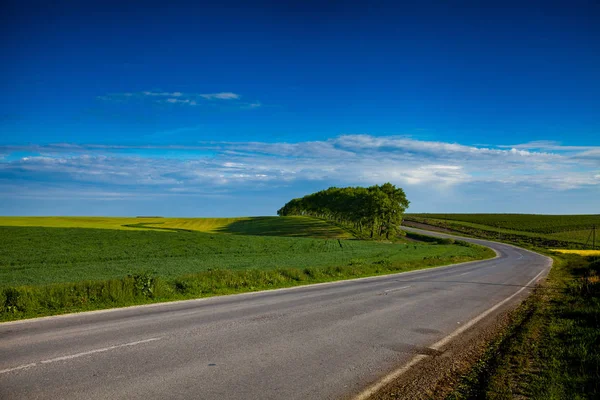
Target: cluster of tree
377 209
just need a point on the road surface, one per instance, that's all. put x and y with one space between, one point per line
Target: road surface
313 342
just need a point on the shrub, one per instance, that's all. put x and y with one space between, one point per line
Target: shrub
11 300
143 284
446 241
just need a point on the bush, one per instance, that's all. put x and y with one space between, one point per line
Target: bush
11 300
463 243
143 284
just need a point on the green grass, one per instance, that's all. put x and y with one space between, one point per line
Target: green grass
47 271
264 226
570 231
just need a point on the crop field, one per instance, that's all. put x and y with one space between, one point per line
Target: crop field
274 226
524 222
560 228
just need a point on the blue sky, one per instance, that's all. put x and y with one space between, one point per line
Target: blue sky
198 109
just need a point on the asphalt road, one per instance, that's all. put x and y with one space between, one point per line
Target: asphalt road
312 342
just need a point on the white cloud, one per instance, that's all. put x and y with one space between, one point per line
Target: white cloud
178 101
220 96
160 94
590 154
208 96
549 145
345 160
191 99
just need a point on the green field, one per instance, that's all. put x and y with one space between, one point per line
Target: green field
50 270
33 255
569 229
524 222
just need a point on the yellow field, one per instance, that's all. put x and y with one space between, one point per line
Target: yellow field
192 224
580 252
270 226
196 224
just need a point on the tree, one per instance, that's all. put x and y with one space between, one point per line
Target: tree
377 208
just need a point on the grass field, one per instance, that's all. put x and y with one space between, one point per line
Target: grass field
33 255
275 226
541 230
524 222
55 270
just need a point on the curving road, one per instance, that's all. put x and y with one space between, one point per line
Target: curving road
313 342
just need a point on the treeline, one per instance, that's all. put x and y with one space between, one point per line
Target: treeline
376 210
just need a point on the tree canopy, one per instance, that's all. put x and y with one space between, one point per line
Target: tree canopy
377 209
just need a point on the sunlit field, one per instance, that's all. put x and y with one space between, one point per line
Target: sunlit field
274 226
585 253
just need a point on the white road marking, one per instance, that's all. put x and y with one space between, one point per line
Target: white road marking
464 273
371 390
85 353
394 290
4 371
520 256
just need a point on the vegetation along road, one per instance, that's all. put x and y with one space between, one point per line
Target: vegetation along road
340 339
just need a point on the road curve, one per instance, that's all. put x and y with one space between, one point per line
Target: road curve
311 342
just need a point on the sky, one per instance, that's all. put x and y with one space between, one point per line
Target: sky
233 108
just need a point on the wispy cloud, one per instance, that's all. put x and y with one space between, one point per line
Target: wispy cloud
221 96
549 145
154 94
349 159
181 98
252 105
